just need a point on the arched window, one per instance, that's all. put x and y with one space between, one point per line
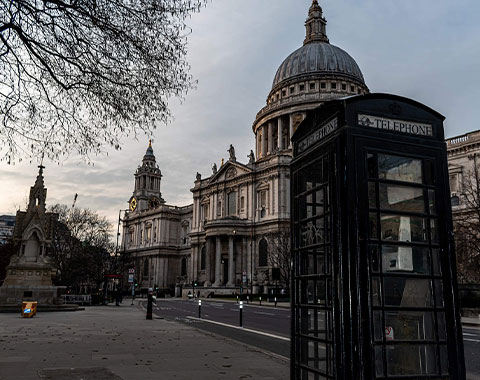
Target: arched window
455 201
263 253
184 266
203 258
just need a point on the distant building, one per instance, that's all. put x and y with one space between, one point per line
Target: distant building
463 154
7 225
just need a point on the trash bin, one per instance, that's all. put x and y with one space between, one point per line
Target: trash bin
29 309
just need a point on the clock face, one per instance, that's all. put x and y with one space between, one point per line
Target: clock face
153 202
133 204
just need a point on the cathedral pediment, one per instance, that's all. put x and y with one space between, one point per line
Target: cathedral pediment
230 170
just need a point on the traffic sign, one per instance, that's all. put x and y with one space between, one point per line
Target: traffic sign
131 270
130 278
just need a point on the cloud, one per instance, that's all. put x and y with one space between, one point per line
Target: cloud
427 50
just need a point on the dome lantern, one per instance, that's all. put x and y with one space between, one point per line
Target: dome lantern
316 25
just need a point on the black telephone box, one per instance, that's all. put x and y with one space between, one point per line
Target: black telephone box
374 290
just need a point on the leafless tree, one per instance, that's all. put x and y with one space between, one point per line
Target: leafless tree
280 254
467 227
78 74
81 248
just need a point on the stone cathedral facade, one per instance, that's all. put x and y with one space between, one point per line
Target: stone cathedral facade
222 239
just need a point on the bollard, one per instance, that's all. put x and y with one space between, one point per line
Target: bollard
275 301
199 308
237 299
241 313
150 306
247 299
260 301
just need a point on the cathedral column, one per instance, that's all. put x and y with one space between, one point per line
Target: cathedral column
218 260
270 137
291 132
244 256
193 252
231 263
264 140
208 268
280 132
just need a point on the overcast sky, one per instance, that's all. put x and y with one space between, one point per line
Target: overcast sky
428 50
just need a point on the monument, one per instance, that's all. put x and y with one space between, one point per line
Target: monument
29 274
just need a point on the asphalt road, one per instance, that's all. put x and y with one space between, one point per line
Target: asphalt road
275 323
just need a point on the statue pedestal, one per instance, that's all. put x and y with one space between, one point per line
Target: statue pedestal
30 281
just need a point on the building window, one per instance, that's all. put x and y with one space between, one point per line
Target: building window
333 85
359 91
242 203
219 208
263 253
292 90
184 266
263 203
148 233
284 93
302 87
205 210
312 86
203 259
344 87
232 203
323 85
155 233
352 88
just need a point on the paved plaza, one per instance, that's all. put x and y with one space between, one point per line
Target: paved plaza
119 343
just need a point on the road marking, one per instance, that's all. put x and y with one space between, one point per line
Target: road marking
241 328
472 340
468 334
263 313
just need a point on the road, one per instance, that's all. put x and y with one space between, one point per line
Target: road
275 323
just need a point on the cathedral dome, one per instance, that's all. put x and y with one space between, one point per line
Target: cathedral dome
317 59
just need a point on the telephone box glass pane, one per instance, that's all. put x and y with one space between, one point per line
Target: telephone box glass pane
398 168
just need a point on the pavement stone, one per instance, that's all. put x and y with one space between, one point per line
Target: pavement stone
108 342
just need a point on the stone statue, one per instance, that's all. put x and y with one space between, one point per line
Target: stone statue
251 157
231 150
214 168
199 176
222 162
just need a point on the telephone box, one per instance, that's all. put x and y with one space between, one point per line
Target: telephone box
374 290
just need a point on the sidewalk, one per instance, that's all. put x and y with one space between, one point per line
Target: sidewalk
112 343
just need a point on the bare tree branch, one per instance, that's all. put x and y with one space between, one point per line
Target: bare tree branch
78 75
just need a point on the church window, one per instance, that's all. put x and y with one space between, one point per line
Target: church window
203 257
284 93
184 266
149 233
232 203
302 87
263 253
263 203
344 87
359 91
219 208
333 85
292 90
352 88
312 86
23 249
205 210
242 203
323 85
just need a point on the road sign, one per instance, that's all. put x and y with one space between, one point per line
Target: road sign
130 278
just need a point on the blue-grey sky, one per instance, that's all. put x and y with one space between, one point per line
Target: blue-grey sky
428 50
